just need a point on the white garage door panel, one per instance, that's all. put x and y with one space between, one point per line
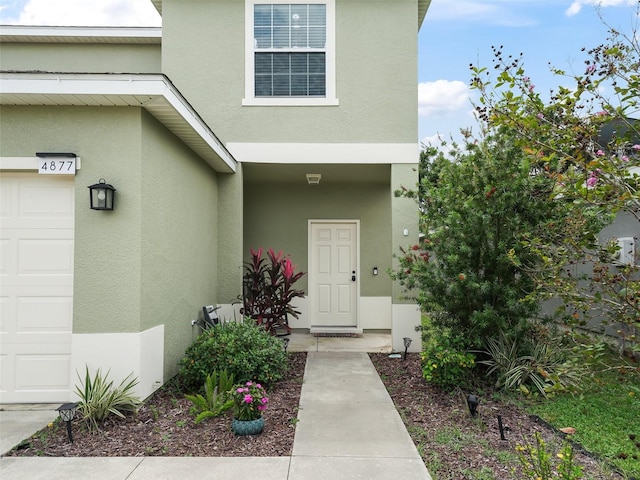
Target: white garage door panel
36 278
44 314
45 256
60 202
40 373
7 262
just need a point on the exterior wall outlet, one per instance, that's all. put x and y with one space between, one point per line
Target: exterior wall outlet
627 252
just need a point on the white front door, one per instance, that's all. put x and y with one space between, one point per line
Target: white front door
36 287
333 274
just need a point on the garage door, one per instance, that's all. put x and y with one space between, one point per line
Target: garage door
36 287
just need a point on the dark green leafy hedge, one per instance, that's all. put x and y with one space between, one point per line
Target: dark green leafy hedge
243 349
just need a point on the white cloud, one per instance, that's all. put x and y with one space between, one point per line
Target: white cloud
576 6
85 13
442 96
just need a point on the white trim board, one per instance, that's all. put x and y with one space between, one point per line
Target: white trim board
25 163
326 153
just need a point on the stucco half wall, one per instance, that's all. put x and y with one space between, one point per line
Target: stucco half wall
140 355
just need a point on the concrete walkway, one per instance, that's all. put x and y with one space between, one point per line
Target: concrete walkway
348 429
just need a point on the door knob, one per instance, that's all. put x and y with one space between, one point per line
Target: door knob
353 276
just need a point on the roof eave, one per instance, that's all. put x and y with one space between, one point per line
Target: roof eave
153 92
423 6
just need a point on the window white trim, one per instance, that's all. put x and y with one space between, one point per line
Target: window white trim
330 93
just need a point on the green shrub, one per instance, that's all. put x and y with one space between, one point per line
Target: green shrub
446 361
216 399
245 350
99 399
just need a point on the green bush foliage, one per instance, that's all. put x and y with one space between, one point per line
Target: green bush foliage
216 399
246 351
475 205
445 359
585 135
99 398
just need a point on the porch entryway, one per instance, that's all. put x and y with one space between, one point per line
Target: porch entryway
367 342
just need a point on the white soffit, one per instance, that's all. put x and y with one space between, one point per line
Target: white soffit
155 93
423 6
45 34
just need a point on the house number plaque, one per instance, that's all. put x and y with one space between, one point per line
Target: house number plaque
57 166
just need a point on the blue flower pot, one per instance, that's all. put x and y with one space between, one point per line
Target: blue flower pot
247 427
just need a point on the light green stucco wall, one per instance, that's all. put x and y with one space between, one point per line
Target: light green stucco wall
153 260
107 244
230 232
179 224
276 216
376 68
405 216
85 58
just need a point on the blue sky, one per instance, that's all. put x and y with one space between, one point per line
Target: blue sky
454 34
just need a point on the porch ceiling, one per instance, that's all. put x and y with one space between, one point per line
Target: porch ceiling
331 174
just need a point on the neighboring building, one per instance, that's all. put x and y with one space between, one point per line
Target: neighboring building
207 129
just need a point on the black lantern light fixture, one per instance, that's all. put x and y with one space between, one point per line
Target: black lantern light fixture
407 343
67 412
472 403
101 195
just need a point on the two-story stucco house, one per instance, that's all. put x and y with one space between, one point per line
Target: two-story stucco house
239 124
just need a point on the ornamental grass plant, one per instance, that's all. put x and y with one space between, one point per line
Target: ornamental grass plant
99 398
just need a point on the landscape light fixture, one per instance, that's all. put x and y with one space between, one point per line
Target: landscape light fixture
472 403
67 412
501 428
407 342
101 195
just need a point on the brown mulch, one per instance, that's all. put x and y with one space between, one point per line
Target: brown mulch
164 426
452 443
455 445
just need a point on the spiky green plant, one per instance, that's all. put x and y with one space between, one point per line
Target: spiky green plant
216 399
99 398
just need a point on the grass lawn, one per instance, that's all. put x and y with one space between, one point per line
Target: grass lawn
606 417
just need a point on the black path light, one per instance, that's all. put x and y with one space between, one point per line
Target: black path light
407 343
472 403
67 412
101 195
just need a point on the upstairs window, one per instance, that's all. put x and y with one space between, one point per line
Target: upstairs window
290 57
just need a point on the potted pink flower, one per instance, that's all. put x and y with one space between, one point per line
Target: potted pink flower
249 402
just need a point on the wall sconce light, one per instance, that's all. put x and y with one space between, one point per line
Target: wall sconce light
375 270
67 412
472 403
407 343
101 195
313 178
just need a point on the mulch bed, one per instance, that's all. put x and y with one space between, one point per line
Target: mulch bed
455 445
452 443
164 426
